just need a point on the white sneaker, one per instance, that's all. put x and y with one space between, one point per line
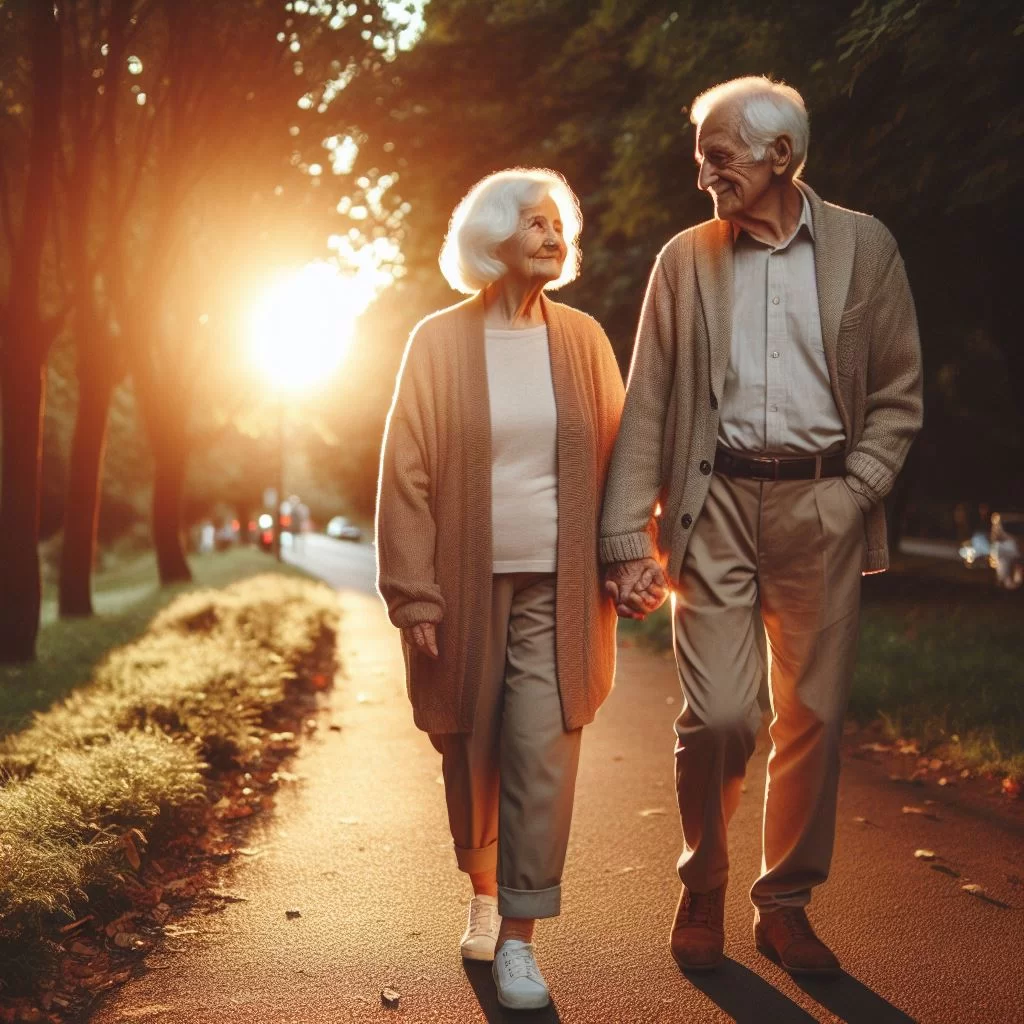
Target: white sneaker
517 977
477 942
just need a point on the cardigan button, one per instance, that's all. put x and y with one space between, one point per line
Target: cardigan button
687 520
705 467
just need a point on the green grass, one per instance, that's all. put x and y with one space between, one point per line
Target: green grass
125 599
941 660
195 694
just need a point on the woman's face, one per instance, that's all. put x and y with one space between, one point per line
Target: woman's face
536 249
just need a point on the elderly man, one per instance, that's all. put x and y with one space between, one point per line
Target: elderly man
774 392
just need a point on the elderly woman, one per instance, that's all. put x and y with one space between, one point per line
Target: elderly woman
492 472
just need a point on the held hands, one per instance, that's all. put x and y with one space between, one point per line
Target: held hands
422 637
637 587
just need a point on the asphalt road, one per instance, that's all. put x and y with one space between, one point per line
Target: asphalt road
359 845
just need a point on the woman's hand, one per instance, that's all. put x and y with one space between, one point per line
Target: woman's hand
422 637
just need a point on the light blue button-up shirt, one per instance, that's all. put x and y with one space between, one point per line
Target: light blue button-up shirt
777 396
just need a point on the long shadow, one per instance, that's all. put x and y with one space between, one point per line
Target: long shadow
479 974
747 997
852 1001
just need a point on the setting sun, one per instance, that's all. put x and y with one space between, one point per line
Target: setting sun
303 326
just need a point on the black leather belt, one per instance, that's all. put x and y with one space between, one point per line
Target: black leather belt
781 467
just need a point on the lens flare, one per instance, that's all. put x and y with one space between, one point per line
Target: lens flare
303 326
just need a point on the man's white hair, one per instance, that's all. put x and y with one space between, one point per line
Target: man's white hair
490 212
766 110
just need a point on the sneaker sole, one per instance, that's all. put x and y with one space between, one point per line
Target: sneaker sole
525 1005
482 955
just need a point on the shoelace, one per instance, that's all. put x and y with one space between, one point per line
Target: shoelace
701 908
482 917
796 921
520 964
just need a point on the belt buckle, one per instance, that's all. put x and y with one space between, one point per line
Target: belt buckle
766 468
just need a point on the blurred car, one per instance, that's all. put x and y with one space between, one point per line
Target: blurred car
341 529
1001 549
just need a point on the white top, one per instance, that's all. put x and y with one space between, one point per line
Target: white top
777 396
524 438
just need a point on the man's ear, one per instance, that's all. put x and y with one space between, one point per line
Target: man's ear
780 153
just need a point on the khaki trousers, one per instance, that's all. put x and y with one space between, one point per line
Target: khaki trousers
785 556
510 783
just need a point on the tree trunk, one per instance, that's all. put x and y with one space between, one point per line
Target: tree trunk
22 396
81 511
168 486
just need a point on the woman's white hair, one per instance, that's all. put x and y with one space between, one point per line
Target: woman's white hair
490 212
766 110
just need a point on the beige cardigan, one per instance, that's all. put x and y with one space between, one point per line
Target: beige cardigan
666 445
434 509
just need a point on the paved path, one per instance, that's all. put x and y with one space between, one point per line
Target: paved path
360 847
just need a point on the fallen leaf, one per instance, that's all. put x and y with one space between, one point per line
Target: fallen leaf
652 812
291 914
966 773
1011 787
923 811
924 854
936 764
973 888
390 998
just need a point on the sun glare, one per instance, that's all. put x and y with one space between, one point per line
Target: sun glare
303 326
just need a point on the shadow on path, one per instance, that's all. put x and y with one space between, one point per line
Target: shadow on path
747 997
479 974
852 1001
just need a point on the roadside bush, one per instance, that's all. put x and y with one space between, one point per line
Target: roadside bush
198 688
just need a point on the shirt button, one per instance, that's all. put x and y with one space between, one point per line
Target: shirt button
686 521
705 467
775 300
775 354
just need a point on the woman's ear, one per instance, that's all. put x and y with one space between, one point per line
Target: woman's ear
780 152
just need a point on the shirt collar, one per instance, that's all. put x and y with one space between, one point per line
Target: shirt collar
805 221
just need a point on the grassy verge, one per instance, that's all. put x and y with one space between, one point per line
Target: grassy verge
113 769
126 598
941 661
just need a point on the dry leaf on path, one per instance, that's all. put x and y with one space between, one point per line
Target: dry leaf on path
973 888
924 854
652 812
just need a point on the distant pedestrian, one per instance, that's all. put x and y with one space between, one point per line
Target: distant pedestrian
492 471
774 393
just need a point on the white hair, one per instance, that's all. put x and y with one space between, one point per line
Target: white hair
766 110
489 214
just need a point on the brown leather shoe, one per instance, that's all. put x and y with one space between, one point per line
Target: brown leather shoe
786 936
698 932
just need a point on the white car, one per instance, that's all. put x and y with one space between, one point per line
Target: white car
341 529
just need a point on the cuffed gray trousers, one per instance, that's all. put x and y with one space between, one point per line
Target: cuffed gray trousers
510 783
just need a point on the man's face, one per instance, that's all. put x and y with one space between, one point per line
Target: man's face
727 170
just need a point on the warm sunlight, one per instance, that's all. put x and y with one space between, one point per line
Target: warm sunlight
302 327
